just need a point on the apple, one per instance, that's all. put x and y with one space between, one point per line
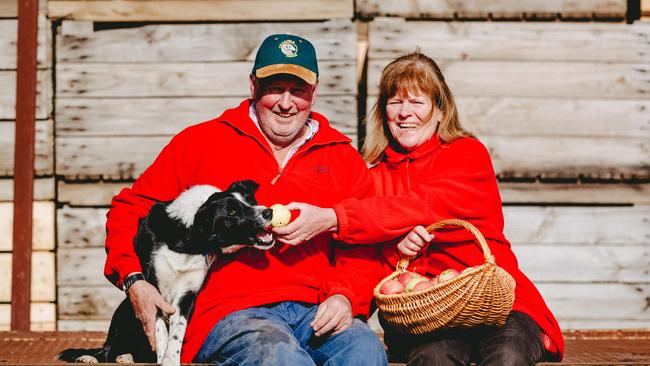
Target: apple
435 281
281 215
447 275
423 285
406 277
413 282
468 269
391 287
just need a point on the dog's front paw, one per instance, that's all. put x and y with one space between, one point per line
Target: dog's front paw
171 361
125 358
86 359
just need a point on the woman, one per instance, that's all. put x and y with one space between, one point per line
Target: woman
426 167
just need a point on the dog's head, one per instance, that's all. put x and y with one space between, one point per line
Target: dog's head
232 217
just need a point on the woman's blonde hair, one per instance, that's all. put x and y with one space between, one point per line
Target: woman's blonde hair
418 72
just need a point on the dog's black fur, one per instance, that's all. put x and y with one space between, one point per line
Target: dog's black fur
166 241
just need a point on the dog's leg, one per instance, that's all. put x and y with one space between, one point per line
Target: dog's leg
177 326
161 338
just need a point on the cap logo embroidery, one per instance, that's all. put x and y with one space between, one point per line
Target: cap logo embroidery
289 48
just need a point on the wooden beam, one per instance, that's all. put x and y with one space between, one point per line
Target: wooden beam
8 8
203 10
24 163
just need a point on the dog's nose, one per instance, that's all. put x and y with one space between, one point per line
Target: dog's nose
267 214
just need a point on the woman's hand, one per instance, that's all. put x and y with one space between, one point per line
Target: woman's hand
414 242
313 220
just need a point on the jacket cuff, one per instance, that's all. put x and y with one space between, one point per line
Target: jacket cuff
116 276
343 223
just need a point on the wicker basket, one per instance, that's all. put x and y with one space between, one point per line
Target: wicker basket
483 295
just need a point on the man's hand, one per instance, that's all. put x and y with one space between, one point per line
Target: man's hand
146 301
414 242
333 314
313 220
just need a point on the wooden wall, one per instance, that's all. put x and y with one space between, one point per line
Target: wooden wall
43 312
562 106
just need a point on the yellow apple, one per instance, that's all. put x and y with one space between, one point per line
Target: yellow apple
281 215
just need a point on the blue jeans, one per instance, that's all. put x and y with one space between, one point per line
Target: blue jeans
280 334
517 343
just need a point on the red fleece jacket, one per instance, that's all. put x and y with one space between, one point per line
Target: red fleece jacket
323 172
439 181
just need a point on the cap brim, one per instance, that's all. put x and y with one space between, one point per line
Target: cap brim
299 71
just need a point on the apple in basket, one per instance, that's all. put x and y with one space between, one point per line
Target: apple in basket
447 275
468 269
391 287
410 287
423 285
406 277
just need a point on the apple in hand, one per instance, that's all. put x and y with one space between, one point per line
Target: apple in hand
447 275
391 287
281 215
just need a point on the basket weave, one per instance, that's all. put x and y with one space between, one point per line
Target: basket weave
483 295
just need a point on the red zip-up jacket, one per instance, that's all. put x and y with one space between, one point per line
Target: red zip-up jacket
324 171
439 181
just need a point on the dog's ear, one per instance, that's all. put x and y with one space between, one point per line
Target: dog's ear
201 229
246 188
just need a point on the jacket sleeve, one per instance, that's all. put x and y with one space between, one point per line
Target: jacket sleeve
463 185
162 181
356 269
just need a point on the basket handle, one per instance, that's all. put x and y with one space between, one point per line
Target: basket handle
403 263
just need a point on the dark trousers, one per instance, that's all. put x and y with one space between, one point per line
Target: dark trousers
517 343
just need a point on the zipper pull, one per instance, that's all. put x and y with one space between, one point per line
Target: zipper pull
274 180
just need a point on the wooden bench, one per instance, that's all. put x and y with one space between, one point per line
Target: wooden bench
619 347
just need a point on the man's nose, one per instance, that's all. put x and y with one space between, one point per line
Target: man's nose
285 100
267 214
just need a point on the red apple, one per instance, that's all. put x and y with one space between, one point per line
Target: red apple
434 281
447 275
405 277
414 282
391 287
423 285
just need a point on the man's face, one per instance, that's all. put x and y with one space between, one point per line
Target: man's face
283 103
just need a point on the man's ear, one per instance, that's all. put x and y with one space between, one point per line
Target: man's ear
253 85
314 92
246 188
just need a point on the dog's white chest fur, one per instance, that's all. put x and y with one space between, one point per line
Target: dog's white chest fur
178 273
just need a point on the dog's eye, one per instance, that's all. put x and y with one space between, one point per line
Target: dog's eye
232 212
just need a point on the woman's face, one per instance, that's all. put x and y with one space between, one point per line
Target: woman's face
407 118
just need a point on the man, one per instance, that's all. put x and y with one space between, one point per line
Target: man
288 305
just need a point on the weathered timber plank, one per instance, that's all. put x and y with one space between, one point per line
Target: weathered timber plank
88 194
568 325
80 267
183 79
87 325
162 116
44 148
43 189
88 302
586 80
570 157
8 9
81 227
597 301
106 157
510 41
579 226
9 31
43 285
552 117
100 193
8 94
583 193
42 229
495 8
584 264
221 10
42 316
333 40
645 7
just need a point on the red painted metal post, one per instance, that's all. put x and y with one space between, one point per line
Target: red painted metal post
24 164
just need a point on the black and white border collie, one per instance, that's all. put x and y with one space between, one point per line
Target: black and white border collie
173 242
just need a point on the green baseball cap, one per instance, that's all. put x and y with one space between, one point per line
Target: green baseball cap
286 54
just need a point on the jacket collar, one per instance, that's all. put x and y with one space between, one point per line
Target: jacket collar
239 119
394 157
